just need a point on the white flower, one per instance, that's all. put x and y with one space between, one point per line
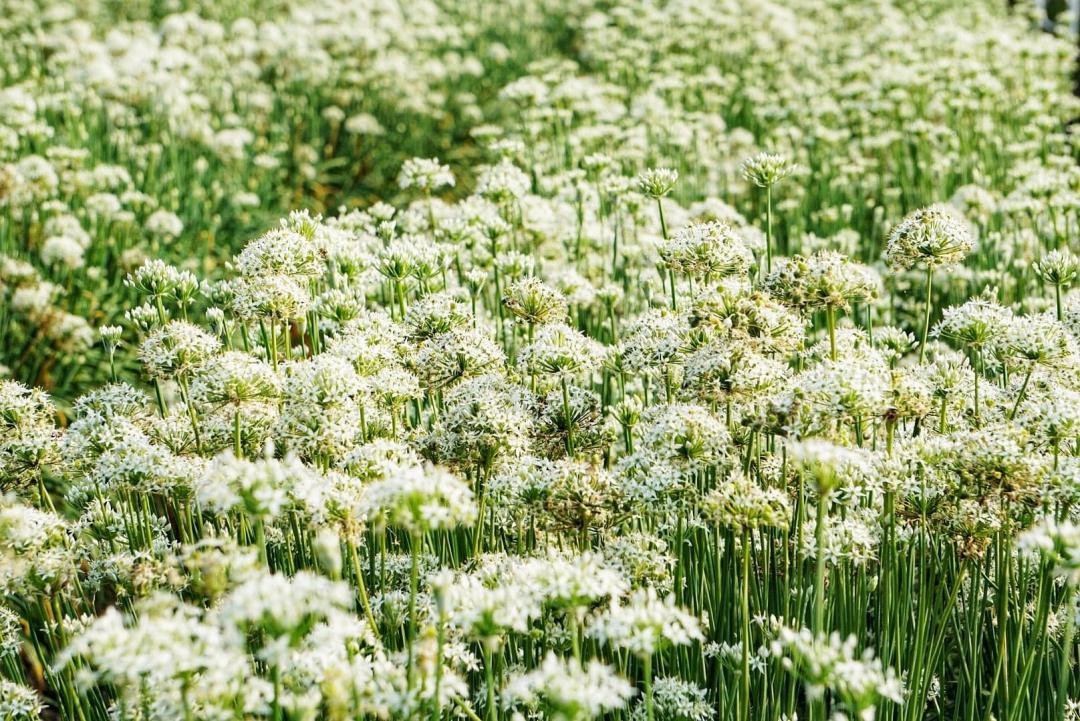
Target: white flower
644 624
503 182
258 488
19 703
425 174
561 352
176 349
164 224
62 250
766 169
1058 542
279 252
280 606
562 690
420 499
860 681
448 358
707 250
657 182
931 236
484 605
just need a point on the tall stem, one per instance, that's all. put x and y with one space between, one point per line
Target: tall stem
1066 653
568 417
819 577
663 232
414 575
817 709
647 663
260 541
361 587
768 228
489 673
440 635
975 368
830 320
275 705
926 318
575 643
1023 390
744 689
238 449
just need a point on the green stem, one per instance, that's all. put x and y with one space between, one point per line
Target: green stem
975 368
276 710
568 417
358 574
440 635
647 663
575 644
1066 653
744 688
238 449
489 676
260 541
414 576
768 228
819 576
926 318
1023 390
830 321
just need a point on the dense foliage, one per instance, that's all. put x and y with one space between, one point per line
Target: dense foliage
563 359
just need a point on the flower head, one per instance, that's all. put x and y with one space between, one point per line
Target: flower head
933 236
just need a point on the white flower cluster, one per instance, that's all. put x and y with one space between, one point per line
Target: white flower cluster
628 360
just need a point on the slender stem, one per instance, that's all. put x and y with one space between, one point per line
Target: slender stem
830 320
186 701
575 644
43 492
481 493
358 574
276 710
568 417
260 541
768 228
440 635
1023 390
192 416
1066 653
975 368
647 663
489 675
744 688
238 449
819 576
414 575
463 706
926 318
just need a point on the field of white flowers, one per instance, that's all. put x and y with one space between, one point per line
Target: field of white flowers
649 360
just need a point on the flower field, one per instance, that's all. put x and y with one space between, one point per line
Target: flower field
652 360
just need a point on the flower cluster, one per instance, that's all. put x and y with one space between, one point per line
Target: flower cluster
628 360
